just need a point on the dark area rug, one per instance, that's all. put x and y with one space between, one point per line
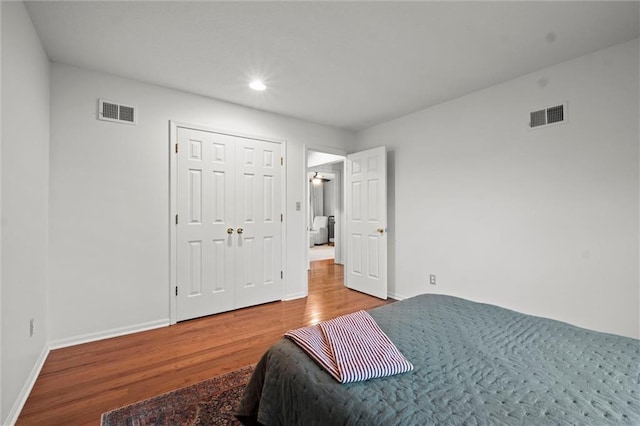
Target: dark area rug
211 402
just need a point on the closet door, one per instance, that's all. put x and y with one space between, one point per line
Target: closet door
205 199
228 230
259 243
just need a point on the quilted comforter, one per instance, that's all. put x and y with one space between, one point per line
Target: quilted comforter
475 364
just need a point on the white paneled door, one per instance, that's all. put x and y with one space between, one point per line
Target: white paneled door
366 209
228 224
258 222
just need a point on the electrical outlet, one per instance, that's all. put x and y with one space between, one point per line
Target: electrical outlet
31 327
298 206
432 279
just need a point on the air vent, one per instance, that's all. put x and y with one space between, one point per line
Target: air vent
555 114
547 116
112 111
538 118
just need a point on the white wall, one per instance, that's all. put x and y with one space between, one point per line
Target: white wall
542 221
25 197
328 197
109 219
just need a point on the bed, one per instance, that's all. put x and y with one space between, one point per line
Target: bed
475 364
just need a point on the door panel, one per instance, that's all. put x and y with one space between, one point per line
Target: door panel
195 196
219 265
195 268
366 196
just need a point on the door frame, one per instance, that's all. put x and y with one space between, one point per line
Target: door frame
173 207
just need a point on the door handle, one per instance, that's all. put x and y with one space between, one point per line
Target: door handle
229 231
240 231
380 230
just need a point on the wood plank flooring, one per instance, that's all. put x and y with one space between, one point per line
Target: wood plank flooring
79 383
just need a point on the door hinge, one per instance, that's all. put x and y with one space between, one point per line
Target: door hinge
176 219
282 161
281 275
281 217
176 148
176 290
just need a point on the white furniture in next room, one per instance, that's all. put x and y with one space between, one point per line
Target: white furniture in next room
319 233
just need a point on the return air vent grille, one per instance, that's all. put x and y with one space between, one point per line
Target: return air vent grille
111 111
538 118
555 114
547 116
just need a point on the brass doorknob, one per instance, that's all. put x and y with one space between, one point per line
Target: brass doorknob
380 230
229 231
240 230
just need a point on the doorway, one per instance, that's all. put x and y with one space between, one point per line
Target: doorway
322 209
360 233
325 207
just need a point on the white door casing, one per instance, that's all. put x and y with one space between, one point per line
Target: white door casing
223 183
366 210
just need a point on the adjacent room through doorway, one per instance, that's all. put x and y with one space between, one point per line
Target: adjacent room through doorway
325 206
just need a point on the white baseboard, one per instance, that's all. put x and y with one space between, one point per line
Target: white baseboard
295 296
12 418
107 334
396 296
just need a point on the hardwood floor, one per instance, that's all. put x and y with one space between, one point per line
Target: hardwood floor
79 383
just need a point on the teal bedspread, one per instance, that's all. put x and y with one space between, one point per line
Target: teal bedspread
475 364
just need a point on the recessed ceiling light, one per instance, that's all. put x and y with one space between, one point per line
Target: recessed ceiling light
257 85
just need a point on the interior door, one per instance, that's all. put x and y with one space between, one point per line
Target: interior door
229 223
258 221
366 211
205 201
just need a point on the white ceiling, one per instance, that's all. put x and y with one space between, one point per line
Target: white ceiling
345 64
